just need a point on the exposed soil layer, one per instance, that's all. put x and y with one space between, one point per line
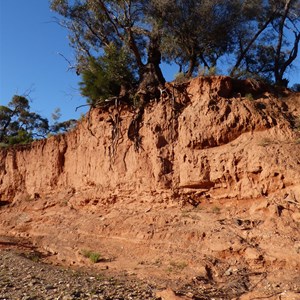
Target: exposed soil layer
200 198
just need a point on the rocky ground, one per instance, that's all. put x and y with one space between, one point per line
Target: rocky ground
24 275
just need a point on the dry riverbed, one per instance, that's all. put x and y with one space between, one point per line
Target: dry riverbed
24 276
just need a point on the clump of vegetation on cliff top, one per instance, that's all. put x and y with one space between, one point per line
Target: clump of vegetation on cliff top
109 76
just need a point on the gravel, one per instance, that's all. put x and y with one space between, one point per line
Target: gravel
26 277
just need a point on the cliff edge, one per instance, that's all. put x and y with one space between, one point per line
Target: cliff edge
213 137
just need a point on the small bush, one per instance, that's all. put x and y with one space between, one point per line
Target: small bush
212 71
94 257
106 75
180 78
34 256
249 97
265 142
205 71
296 87
177 266
216 210
4 145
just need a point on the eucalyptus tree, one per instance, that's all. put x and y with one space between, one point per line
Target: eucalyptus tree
267 39
287 28
94 25
196 32
18 124
258 38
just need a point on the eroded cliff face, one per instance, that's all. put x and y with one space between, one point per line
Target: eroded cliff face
219 138
203 188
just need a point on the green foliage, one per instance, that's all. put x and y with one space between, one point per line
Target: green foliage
21 137
61 127
120 41
196 32
106 76
266 44
205 71
180 78
94 257
212 71
177 266
19 125
249 97
95 84
56 114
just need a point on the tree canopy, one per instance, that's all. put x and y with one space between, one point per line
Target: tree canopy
252 38
19 125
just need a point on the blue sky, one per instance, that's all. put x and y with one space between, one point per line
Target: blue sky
29 45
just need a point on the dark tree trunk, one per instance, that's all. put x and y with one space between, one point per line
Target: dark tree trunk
192 65
151 77
281 66
277 72
204 61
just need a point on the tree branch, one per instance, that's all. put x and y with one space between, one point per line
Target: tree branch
254 38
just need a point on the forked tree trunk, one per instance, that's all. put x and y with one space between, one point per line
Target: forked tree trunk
281 65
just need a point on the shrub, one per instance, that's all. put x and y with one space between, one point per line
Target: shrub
177 266
94 257
180 78
216 210
265 142
205 71
296 87
249 97
107 75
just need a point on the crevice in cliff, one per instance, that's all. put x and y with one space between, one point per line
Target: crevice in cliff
61 160
61 156
115 121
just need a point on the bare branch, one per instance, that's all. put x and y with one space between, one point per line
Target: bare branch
83 105
71 66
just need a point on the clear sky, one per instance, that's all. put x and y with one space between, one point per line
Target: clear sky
30 41
29 59
29 45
